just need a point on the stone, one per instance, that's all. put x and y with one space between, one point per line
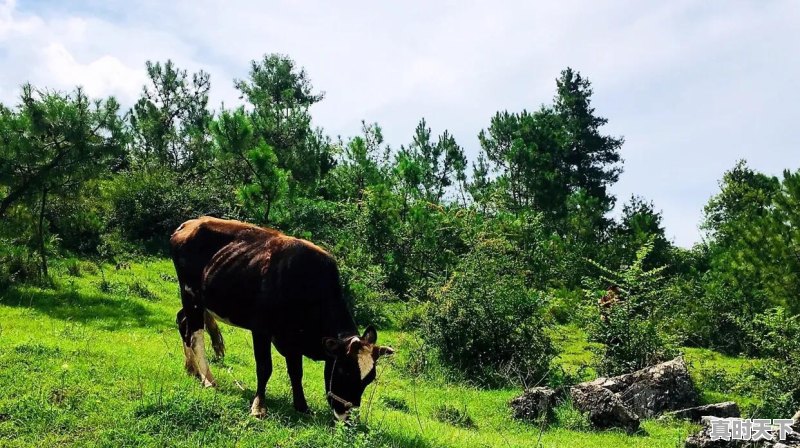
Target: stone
604 408
694 414
534 403
653 390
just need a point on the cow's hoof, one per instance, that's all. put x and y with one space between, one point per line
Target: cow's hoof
258 410
209 383
303 410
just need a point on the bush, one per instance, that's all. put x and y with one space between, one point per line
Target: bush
631 342
364 289
148 205
18 264
630 325
777 386
485 322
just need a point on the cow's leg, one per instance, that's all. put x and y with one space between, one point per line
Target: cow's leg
294 366
198 345
216 336
190 324
185 332
263 355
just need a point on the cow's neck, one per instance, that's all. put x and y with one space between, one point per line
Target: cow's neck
341 324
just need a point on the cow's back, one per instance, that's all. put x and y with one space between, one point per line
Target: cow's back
252 276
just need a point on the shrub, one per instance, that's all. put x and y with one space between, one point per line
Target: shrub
776 335
140 289
148 205
364 288
485 322
777 387
567 417
17 264
631 342
631 325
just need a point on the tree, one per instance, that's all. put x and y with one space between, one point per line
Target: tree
526 148
170 121
545 158
428 168
281 95
363 163
592 158
250 162
52 144
737 225
640 223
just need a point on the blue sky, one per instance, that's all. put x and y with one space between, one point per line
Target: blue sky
693 86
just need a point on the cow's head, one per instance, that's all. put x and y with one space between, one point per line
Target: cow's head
350 368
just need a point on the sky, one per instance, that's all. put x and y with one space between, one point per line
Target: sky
693 86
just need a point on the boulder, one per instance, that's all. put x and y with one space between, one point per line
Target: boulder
653 390
721 410
534 403
615 384
604 408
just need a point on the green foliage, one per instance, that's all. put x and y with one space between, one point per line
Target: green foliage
148 205
544 156
630 324
281 95
640 223
426 169
479 268
485 322
170 121
251 163
49 146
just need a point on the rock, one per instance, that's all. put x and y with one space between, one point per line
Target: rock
615 384
653 390
722 410
604 408
534 403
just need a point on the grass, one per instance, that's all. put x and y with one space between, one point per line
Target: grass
97 361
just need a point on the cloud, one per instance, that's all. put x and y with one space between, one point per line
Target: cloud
693 86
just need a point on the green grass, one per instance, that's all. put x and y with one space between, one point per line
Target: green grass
97 361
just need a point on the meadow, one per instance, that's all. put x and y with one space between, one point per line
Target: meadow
96 361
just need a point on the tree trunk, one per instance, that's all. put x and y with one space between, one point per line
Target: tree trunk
42 251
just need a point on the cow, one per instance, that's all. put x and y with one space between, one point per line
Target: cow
287 292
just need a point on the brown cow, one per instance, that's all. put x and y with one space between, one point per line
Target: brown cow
284 290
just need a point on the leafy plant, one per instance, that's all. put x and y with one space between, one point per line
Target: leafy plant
485 322
629 322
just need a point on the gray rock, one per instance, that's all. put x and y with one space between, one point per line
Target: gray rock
653 390
722 410
615 384
604 408
534 403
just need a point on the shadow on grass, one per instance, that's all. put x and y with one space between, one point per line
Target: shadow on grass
69 305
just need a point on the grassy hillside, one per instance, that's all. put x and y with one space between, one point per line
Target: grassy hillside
96 361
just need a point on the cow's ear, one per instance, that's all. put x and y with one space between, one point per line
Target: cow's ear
370 335
385 351
333 346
